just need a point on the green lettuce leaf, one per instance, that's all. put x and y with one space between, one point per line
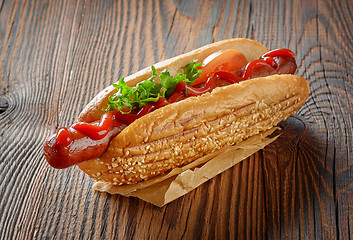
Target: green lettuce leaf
149 90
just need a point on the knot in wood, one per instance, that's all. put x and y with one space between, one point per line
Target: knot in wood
4 103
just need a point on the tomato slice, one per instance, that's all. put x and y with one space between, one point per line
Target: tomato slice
226 60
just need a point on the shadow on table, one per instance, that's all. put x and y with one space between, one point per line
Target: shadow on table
299 185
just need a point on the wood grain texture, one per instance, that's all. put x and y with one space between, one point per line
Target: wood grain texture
56 55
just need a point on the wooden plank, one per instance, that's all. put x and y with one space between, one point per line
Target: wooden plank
302 190
34 41
55 56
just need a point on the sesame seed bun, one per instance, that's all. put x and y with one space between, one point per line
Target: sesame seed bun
181 132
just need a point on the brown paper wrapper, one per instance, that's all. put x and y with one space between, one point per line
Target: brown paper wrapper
163 189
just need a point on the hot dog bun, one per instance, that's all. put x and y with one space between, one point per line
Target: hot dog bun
184 131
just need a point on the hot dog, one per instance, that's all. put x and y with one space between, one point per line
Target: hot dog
235 89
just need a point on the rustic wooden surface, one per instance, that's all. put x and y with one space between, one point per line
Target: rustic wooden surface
56 55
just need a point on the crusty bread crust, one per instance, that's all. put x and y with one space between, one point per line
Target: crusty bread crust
184 131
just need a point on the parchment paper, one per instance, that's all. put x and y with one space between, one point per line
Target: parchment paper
168 187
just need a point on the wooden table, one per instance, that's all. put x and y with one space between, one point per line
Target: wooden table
56 55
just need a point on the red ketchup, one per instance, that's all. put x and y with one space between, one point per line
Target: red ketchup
83 141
